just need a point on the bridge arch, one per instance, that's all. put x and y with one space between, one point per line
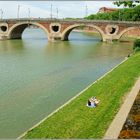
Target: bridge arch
15 32
66 32
126 30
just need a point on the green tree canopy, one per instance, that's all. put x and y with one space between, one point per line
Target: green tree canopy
127 3
126 14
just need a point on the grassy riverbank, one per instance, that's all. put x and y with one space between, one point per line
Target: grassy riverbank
78 121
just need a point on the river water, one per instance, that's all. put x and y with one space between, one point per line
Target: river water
37 76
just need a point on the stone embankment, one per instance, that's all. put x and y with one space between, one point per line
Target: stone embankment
125 124
131 127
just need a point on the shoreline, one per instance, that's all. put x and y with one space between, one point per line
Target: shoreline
51 114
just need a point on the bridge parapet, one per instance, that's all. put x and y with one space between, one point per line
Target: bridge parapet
66 20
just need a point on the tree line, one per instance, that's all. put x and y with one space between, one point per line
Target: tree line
132 13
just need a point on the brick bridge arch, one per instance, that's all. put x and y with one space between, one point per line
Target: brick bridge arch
15 32
66 32
126 30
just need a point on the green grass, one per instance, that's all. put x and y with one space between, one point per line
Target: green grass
78 121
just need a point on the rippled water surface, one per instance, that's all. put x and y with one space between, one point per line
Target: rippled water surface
37 76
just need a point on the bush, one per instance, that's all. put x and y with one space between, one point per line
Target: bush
136 46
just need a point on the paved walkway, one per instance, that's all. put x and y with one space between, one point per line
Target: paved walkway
117 124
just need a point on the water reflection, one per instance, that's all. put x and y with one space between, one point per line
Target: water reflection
60 47
10 46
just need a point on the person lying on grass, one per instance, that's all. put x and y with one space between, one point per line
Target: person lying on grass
93 102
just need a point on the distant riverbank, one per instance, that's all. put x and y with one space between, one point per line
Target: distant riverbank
78 121
86 31
96 33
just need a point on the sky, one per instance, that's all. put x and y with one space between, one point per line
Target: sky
42 9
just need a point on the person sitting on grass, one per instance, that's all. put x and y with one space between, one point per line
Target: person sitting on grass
93 102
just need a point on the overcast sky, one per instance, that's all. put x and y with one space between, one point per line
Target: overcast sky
76 9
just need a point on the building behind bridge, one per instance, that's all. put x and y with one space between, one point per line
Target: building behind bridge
107 10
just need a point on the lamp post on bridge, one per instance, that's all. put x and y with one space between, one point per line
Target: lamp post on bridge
29 17
1 12
29 13
51 12
86 11
18 11
119 14
57 13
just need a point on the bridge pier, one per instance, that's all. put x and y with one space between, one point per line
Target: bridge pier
54 38
3 37
110 38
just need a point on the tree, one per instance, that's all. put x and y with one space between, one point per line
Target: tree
127 3
136 46
127 14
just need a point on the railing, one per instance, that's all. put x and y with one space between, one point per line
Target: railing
68 20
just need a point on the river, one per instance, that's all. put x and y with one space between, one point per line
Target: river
37 76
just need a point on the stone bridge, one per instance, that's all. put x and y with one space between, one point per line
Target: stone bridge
56 29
